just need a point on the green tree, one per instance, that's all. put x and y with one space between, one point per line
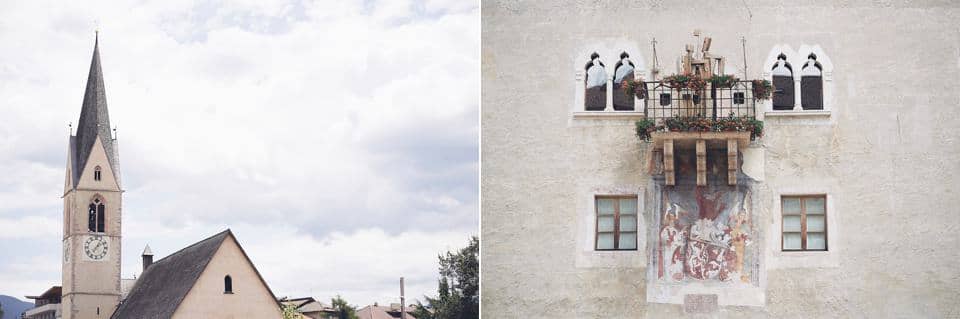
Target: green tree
290 312
458 287
344 309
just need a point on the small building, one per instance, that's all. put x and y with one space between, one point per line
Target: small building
310 308
383 312
46 305
213 278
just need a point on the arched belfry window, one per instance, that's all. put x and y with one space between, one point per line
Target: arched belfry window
622 71
783 98
96 216
227 284
811 84
96 173
595 97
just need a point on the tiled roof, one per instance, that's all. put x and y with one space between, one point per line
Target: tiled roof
94 121
164 284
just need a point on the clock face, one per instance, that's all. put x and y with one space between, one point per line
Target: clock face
95 247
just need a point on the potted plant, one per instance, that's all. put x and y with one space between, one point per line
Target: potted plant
762 89
723 81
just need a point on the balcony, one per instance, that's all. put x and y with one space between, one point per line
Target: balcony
698 116
50 310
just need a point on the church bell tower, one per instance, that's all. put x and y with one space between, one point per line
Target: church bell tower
92 209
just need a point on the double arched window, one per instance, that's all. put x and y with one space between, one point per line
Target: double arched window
96 173
801 78
96 216
595 97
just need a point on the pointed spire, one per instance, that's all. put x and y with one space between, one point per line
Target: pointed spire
147 251
94 117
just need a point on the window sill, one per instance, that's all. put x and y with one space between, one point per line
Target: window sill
797 113
614 115
228 292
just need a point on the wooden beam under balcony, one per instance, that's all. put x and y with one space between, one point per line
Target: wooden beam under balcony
732 162
714 140
701 163
668 169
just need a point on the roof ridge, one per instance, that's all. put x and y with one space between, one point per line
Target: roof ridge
194 244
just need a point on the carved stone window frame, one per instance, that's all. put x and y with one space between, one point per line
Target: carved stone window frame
609 52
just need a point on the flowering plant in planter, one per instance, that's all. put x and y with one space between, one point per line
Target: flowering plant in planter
701 124
645 127
762 89
683 81
723 81
636 88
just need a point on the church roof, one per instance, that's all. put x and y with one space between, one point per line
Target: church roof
164 284
94 120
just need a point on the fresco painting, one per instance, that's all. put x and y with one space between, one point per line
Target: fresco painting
706 234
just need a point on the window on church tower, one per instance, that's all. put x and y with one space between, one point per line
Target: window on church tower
227 285
96 214
96 173
616 223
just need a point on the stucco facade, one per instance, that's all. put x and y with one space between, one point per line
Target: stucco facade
882 151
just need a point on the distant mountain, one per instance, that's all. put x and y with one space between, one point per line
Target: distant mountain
12 307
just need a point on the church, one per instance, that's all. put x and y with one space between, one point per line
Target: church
213 278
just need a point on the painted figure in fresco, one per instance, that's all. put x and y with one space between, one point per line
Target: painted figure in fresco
741 236
672 241
710 244
710 205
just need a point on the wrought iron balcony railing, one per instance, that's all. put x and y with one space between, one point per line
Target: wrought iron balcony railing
662 101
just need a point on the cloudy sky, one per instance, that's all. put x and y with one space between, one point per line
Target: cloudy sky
338 139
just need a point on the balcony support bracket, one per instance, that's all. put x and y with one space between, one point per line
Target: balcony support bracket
668 169
732 165
701 163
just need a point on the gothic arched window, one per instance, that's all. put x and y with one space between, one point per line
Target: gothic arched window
595 97
783 82
622 71
811 84
227 285
96 216
96 173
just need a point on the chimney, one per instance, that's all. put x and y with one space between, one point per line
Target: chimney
147 258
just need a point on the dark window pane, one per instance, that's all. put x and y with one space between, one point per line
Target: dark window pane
621 100
595 97
811 90
738 98
92 218
783 93
227 284
100 218
664 99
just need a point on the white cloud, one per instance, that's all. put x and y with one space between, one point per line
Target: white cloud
344 127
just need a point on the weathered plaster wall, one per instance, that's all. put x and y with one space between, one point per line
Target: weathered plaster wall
886 156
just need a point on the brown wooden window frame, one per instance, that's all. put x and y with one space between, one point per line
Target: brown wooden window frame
803 222
616 222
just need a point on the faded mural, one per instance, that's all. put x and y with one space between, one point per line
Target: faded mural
706 234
